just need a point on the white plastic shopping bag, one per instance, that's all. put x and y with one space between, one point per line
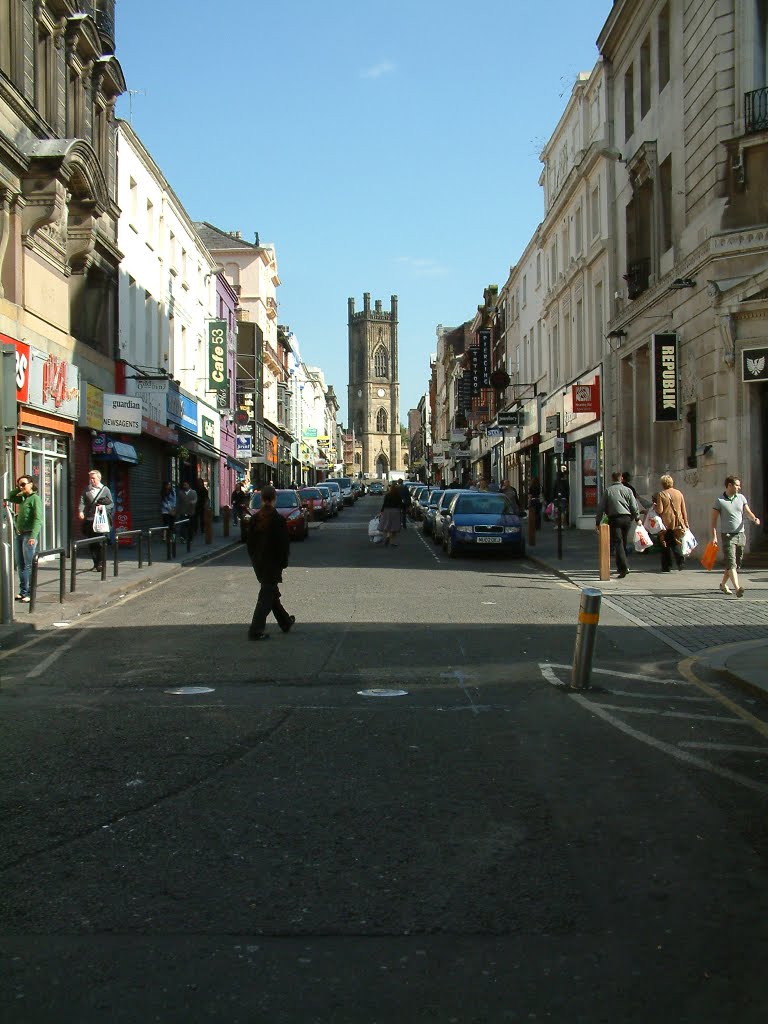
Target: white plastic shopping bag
100 520
653 523
642 539
374 534
688 543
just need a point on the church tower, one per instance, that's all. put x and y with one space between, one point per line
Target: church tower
373 398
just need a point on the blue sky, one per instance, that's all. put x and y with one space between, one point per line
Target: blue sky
389 148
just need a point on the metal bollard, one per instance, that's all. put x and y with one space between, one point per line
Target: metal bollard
586 632
604 551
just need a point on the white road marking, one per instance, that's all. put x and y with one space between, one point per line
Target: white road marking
680 755
54 655
627 675
662 696
431 550
671 714
735 747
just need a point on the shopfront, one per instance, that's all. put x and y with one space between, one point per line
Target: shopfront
48 399
583 430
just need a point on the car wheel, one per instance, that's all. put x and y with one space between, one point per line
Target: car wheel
450 547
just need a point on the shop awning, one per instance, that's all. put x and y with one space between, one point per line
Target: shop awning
120 452
234 464
198 446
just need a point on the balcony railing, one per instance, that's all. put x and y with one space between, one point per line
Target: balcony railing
756 111
637 277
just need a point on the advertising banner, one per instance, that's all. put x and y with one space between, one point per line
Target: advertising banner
54 385
666 376
23 357
217 354
244 446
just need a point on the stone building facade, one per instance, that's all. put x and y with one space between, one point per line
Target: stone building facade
690 116
374 389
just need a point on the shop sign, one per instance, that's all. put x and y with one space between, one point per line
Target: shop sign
323 441
321 464
22 367
495 432
585 398
94 407
310 432
244 446
122 414
54 385
208 428
509 418
458 436
754 364
182 410
159 430
153 395
666 374
485 357
474 371
217 354
581 403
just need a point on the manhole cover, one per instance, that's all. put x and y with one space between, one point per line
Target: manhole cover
185 690
382 693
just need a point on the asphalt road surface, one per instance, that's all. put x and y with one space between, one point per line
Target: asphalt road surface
293 845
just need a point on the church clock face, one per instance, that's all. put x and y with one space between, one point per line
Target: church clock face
359 393
381 392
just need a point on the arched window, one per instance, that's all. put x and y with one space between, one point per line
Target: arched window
357 458
381 421
381 362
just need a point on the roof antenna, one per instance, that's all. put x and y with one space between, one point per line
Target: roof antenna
131 94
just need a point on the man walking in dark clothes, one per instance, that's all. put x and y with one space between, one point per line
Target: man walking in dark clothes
268 550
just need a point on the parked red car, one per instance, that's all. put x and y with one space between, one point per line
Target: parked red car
314 502
289 506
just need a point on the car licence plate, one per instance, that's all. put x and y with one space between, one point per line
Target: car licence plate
488 540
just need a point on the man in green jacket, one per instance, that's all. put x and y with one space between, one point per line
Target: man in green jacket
29 520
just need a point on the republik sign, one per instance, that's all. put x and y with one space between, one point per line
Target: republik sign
666 376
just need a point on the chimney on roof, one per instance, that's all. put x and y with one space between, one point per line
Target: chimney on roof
256 237
237 234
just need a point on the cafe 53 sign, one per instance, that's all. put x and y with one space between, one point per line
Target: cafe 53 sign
217 354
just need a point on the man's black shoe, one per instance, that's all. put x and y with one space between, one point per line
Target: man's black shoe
291 620
258 636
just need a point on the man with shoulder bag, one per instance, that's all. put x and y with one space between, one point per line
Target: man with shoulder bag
96 494
620 508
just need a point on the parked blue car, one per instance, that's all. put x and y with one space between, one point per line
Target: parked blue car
480 521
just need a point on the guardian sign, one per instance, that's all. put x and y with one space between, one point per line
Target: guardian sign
666 374
217 354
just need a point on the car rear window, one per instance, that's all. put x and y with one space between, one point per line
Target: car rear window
311 492
478 504
286 499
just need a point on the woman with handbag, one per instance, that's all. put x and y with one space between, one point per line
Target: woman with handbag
670 506
96 495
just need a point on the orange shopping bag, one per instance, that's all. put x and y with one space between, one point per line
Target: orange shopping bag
709 557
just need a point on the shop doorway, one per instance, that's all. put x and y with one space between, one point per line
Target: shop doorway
44 458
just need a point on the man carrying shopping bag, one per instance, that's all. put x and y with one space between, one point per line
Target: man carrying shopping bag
620 508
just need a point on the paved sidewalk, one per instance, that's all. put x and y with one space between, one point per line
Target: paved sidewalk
685 609
92 593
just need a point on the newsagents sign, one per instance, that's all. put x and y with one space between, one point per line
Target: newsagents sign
666 377
122 414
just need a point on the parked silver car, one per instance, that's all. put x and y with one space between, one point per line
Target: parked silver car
438 526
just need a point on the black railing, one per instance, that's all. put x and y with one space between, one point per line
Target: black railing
637 276
61 552
756 111
118 536
88 542
169 538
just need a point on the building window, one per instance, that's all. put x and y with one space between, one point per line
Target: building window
381 421
133 203
645 77
525 290
10 41
381 362
595 211
692 430
629 102
599 315
665 195
580 361
150 226
45 90
662 46
577 239
538 269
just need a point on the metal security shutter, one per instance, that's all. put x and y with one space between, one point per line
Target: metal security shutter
145 481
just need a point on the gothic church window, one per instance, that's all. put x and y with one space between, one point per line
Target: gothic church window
381 362
381 421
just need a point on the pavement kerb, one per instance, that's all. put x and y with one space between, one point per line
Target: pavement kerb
17 632
549 567
717 658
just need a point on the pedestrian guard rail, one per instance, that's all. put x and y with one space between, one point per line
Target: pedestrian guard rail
141 536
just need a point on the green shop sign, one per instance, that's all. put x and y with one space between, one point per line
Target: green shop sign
217 354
